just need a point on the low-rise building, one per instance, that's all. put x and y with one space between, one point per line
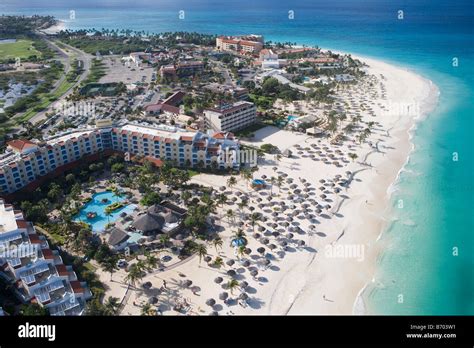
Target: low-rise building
239 93
189 68
169 106
229 118
247 44
36 271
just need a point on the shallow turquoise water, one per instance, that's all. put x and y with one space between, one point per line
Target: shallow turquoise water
97 206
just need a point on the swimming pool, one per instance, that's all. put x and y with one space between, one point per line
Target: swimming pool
97 205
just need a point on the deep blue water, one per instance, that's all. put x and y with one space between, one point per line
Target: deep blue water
437 192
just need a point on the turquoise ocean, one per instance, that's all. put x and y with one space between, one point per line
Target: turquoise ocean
428 255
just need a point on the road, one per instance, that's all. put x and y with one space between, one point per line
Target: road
66 57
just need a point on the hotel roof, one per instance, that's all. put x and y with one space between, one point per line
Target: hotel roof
173 133
234 107
64 138
7 218
21 144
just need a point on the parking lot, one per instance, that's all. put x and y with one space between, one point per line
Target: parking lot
119 71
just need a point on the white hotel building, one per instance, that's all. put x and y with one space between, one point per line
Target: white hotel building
232 117
25 162
36 272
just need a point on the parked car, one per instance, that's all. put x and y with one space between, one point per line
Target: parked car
121 263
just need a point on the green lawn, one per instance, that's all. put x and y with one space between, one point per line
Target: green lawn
22 49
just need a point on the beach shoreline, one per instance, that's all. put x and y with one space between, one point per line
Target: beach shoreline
403 134
59 26
374 219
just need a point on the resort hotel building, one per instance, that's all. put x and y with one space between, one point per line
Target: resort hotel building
246 44
229 118
29 162
37 273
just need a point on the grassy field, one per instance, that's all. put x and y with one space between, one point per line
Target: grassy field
22 49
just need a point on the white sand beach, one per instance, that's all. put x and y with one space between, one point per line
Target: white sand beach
60 25
303 276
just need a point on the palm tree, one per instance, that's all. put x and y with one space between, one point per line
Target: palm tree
186 196
239 235
221 199
151 262
112 305
218 262
352 156
280 180
147 309
272 182
201 250
217 242
231 182
241 251
246 174
232 285
134 275
230 215
164 239
110 265
253 219
66 217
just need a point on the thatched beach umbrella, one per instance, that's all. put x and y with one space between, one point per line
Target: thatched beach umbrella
261 250
223 296
231 273
246 263
218 280
230 262
188 283
254 273
211 302
207 259
244 284
243 296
